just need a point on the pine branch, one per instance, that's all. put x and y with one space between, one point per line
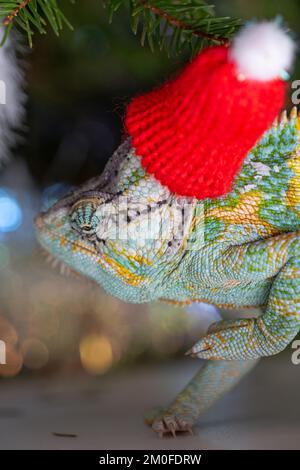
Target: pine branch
15 12
174 24
179 24
30 15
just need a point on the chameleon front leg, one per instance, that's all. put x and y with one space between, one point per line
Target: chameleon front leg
277 257
209 384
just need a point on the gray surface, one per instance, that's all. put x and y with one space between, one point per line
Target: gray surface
263 412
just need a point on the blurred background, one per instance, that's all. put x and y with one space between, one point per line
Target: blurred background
77 86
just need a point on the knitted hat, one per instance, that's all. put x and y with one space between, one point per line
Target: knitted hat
193 132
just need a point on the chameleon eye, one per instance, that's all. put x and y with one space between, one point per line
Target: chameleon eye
83 216
86 228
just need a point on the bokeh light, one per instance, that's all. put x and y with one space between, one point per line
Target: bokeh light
8 332
14 362
35 353
10 213
96 354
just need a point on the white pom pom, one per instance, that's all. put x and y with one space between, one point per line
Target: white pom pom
262 51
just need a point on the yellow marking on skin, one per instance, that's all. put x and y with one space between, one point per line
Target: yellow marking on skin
122 252
197 221
220 337
215 304
190 287
140 260
194 222
85 249
63 242
282 307
124 273
294 315
293 193
280 251
231 283
245 212
264 329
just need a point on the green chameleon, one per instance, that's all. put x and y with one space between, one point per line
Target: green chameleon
141 243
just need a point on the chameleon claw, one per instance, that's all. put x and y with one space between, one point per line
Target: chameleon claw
190 430
173 431
195 353
189 352
172 424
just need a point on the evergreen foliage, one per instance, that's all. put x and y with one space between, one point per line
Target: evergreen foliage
172 25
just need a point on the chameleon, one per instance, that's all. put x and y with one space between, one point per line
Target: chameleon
142 243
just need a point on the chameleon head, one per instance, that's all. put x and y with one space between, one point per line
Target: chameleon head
126 240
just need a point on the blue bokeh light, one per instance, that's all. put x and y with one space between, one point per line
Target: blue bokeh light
10 213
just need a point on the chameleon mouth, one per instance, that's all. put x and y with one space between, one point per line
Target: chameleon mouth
59 265
46 236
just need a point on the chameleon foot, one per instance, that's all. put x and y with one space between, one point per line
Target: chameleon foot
170 425
166 423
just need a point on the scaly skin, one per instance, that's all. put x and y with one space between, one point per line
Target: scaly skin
141 243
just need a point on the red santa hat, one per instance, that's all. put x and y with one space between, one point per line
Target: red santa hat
194 132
